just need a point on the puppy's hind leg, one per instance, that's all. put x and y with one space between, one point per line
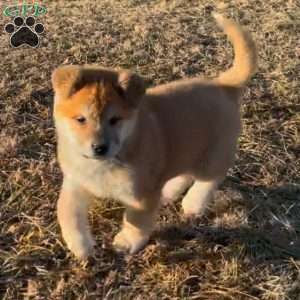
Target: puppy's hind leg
175 187
196 199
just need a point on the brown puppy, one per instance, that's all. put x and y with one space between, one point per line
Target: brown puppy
116 140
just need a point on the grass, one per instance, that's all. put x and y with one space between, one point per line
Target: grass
247 246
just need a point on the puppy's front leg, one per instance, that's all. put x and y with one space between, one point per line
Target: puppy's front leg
137 227
72 210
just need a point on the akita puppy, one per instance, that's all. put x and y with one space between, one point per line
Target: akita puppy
118 140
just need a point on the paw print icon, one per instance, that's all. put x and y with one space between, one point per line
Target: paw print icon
24 32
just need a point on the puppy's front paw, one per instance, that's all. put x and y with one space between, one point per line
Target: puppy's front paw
81 246
130 241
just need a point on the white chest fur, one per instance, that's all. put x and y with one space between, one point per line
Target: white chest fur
103 179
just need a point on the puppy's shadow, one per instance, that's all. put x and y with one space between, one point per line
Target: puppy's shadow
271 233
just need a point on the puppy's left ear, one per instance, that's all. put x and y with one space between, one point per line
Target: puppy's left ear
64 80
132 88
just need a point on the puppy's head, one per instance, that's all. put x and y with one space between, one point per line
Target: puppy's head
95 109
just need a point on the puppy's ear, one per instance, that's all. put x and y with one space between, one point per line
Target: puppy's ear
132 88
64 80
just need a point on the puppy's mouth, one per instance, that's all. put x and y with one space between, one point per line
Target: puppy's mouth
115 158
91 157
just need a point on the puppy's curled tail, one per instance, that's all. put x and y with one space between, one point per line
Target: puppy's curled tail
245 56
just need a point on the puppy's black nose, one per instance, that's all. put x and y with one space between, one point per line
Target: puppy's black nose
100 149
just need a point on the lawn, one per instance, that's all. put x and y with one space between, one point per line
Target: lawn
247 246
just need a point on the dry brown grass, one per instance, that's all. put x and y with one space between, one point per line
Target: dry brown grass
248 244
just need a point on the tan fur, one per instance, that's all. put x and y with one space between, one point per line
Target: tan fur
245 60
174 136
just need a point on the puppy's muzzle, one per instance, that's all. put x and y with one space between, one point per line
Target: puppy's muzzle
100 149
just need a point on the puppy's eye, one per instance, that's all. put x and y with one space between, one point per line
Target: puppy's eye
80 119
114 120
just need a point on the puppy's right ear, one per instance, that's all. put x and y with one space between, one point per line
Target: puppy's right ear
64 80
132 87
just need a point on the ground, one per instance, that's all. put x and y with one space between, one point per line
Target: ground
247 246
